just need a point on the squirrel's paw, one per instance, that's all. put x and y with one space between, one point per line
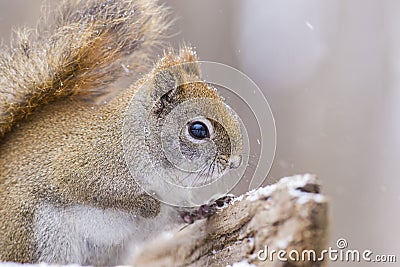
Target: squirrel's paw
206 210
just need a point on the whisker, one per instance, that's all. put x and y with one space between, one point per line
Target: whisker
210 172
199 174
191 173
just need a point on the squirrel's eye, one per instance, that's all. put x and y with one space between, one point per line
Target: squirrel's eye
198 130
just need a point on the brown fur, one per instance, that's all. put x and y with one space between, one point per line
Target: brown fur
79 53
44 158
69 151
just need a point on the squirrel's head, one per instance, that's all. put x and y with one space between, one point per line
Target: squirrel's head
191 136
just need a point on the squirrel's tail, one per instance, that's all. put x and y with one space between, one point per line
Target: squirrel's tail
77 52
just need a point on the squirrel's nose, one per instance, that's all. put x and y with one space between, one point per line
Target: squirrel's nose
235 161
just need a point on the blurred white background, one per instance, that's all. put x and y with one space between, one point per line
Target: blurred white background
331 73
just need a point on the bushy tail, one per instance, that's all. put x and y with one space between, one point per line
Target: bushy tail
76 50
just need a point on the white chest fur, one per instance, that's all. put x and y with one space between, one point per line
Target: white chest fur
88 235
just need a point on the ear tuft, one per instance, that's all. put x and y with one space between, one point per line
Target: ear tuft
175 69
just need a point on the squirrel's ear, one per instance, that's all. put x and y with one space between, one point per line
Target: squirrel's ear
164 81
174 70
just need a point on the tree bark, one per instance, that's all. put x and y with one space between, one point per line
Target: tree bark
290 215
